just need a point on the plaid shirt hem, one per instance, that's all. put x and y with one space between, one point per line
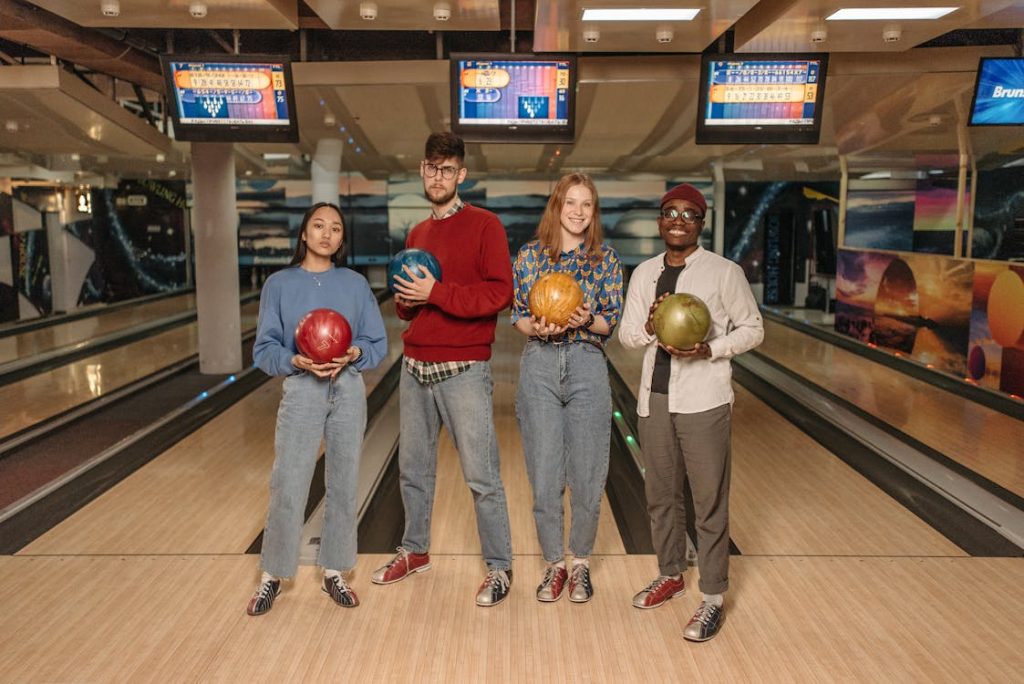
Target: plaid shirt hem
428 373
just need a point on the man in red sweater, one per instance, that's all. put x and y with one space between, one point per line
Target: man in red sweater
447 376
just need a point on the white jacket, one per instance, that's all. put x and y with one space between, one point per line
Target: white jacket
696 384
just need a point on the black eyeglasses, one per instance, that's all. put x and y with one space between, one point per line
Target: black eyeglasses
688 215
447 172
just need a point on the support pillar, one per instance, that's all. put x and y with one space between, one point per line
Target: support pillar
215 232
326 169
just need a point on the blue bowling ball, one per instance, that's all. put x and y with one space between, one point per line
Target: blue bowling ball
417 260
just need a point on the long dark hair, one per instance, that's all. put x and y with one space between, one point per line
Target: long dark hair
338 258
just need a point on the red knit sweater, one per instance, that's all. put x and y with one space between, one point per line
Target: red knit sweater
457 322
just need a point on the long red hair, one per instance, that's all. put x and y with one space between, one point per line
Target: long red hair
549 230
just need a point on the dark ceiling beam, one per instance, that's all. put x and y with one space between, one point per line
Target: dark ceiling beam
51 34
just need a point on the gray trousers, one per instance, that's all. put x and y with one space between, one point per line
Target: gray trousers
698 446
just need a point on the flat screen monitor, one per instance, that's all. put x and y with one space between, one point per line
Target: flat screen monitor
999 92
761 99
231 98
514 98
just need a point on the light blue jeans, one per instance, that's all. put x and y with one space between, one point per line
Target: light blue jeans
463 404
564 406
312 409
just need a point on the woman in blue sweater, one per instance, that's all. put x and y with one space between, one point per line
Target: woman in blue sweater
320 401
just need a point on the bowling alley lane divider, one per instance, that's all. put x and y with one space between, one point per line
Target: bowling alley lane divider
952 521
980 395
18 327
40 363
30 517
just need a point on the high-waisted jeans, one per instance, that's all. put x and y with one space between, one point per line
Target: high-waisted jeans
314 409
564 407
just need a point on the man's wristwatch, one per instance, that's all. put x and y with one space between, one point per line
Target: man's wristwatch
590 321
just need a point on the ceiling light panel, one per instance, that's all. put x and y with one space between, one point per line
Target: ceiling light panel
889 13
640 14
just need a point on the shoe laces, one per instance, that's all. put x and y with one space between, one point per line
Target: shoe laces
549 575
497 578
704 613
401 556
339 582
266 589
657 582
580 574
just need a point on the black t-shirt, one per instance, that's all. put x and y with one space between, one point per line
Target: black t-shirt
663 360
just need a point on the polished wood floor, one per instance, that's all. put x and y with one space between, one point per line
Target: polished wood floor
986 441
44 395
792 496
52 337
149 583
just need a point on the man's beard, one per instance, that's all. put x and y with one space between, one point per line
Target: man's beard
444 199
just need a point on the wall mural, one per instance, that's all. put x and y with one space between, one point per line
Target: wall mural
996 351
957 316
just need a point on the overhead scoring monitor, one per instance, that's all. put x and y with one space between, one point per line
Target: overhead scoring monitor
761 99
231 98
513 98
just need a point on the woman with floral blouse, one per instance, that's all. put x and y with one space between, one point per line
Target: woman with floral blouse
564 402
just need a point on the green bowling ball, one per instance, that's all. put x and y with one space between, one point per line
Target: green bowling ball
682 321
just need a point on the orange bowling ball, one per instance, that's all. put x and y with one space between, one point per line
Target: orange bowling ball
555 296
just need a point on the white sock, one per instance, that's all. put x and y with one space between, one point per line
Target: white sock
559 564
328 573
714 599
580 561
266 577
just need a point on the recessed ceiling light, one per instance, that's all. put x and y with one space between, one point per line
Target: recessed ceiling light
889 13
645 14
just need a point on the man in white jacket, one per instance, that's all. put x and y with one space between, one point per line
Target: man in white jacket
685 404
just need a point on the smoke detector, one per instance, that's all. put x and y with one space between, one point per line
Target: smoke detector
664 35
591 35
197 10
110 8
368 10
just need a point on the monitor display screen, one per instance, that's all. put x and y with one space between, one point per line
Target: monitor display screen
761 99
513 98
231 98
999 92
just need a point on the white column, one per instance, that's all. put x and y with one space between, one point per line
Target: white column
325 170
215 232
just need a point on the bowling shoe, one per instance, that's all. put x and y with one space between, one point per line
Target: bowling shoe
550 588
705 623
657 592
401 566
336 587
495 588
263 600
580 588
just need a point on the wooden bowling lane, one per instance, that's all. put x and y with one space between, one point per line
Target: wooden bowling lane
47 394
791 496
206 494
985 441
799 619
32 342
454 526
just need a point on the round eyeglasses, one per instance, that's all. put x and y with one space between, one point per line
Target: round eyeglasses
688 215
447 172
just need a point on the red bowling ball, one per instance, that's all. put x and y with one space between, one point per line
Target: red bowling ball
322 335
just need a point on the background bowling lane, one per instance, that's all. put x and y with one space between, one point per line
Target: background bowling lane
986 441
791 496
206 494
42 396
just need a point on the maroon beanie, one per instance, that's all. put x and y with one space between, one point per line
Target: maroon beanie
685 191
